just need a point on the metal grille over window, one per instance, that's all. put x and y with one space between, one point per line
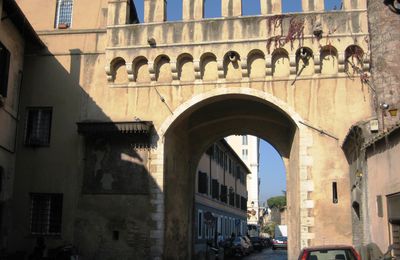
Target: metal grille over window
46 214
38 126
64 13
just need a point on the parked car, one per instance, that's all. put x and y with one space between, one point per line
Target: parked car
334 252
279 242
257 243
240 246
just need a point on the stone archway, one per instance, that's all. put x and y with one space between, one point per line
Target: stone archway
205 119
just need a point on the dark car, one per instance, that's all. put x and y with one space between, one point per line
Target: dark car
279 242
257 243
334 252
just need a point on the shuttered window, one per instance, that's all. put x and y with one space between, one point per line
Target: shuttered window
4 69
203 183
224 193
215 189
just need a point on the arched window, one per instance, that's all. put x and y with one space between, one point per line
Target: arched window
251 7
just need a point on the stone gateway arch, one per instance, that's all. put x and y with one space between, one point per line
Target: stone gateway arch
150 97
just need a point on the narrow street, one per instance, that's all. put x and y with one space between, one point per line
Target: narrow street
268 254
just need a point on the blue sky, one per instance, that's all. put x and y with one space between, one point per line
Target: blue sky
272 172
212 8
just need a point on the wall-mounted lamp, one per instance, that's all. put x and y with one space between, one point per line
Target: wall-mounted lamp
393 112
359 173
384 106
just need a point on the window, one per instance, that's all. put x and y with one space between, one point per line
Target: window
231 197
38 126
244 154
215 189
244 140
200 224
46 213
4 68
203 183
224 193
64 14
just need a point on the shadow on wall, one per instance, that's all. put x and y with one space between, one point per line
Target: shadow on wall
103 174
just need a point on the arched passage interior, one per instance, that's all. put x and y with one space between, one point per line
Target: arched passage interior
199 126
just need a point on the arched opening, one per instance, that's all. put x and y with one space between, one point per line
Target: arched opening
232 68
163 69
185 67
256 64
208 67
280 63
141 70
191 134
120 74
329 60
304 62
354 59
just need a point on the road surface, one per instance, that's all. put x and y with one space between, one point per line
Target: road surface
268 254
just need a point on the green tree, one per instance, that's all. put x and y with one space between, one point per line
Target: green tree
277 202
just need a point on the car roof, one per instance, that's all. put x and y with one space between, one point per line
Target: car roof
324 247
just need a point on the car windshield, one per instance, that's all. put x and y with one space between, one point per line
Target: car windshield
281 238
331 254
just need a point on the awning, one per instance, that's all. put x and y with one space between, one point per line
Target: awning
102 128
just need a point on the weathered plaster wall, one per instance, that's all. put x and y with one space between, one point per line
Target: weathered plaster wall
383 179
11 38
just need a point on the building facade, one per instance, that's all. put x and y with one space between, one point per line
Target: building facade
127 110
17 38
248 148
221 196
